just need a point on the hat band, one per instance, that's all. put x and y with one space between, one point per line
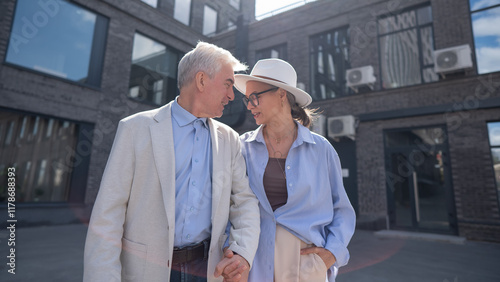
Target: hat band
265 77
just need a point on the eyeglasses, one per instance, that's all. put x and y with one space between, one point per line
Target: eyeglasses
254 97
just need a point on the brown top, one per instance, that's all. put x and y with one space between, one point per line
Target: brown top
275 183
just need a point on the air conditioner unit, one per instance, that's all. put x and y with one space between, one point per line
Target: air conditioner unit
452 59
341 126
360 77
319 125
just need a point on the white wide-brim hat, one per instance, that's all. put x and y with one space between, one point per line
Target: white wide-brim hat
274 72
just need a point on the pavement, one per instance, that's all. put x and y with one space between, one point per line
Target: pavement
55 253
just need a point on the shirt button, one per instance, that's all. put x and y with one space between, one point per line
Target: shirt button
188 236
194 183
197 139
290 184
288 167
191 209
196 160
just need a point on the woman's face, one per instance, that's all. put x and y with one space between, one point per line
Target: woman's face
267 104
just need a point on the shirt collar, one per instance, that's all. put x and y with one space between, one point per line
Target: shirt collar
183 117
303 135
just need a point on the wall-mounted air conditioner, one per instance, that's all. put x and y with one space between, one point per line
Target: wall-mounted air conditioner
452 59
319 125
362 76
341 126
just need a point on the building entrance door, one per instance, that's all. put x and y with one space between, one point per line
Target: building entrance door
419 190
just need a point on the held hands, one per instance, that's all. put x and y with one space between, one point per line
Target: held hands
327 257
232 267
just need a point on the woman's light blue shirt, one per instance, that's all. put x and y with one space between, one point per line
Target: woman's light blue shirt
317 211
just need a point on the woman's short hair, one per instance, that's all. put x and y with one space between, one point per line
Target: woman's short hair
207 58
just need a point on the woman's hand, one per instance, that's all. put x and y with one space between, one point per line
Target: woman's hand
327 257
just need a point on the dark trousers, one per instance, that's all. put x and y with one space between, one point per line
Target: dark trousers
193 271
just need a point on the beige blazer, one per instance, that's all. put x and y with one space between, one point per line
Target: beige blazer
131 230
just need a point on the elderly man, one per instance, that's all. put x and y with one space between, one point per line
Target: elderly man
173 180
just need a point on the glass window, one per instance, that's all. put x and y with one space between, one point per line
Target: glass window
45 164
58 38
428 137
153 76
485 21
152 3
209 21
406 43
494 136
231 25
182 11
329 62
279 52
235 4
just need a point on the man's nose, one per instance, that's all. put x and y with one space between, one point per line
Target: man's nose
230 95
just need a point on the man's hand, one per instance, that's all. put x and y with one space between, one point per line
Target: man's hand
233 268
327 256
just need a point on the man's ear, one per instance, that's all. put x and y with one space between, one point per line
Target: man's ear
200 79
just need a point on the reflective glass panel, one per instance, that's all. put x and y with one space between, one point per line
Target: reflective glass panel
397 22
424 15
53 37
153 76
152 3
494 133
495 154
278 51
406 48
209 21
182 11
235 4
231 25
486 29
400 59
429 136
44 163
329 62
481 4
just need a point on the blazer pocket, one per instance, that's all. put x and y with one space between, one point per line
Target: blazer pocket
133 259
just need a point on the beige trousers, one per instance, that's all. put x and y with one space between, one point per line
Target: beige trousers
289 265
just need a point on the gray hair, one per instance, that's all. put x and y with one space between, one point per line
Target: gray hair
207 58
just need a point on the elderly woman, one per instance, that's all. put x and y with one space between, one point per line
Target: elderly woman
306 217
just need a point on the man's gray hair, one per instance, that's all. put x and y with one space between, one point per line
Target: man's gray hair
207 58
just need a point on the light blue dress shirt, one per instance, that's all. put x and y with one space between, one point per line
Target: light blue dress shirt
193 177
317 211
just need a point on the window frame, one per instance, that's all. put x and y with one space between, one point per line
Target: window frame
154 7
96 58
216 21
190 13
495 182
418 28
342 84
236 8
146 101
282 47
82 149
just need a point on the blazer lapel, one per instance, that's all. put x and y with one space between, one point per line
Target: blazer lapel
163 150
218 173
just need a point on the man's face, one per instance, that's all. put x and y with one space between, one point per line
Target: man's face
219 91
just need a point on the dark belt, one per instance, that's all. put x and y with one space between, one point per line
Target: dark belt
190 253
